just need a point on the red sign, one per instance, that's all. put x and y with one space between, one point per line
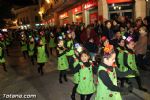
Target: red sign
64 15
65 22
93 17
77 10
90 4
117 1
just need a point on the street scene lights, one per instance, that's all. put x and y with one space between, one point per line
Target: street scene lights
116 7
48 1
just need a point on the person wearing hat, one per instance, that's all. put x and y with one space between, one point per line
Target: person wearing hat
2 57
42 55
31 49
52 43
107 88
78 50
129 61
62 60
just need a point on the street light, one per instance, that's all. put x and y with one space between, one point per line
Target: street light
48 1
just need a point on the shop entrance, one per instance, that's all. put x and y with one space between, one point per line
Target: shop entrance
115 14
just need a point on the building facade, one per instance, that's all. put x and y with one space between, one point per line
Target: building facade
27 17
61 12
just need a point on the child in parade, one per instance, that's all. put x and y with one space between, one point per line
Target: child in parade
52 44
62 60
119 57
2 57
23 44
7 42
42 56
86 86
42 36
78 50
107 88
130 63
31 49
70 46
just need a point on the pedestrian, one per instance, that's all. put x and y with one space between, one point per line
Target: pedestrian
141 47
31 49
107 88
120 49
86 86
62 60
23 44
42 56
78 50
130 63
2 57
70 47
52 43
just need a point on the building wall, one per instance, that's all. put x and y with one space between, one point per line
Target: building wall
27 15
103 12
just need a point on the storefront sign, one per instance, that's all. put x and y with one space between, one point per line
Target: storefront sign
93 17
77 10
64 15
118 1
90 4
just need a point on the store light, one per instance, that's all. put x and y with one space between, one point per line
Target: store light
113 4
114 7
147 0
119 8
48 1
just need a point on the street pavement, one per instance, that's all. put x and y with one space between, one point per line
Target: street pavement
22 78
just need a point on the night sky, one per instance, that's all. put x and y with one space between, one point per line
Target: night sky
19 2
7 5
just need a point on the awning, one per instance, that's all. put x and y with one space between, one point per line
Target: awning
118 1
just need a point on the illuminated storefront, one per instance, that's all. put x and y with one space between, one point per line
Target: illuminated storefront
64 18
77 14
91 12
120 8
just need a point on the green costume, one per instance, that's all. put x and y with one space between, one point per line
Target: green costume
23 46
31 49
103 93
62 60
52 43
2 59
76 75
41 54
130 62
70 48
8 41
120 60
86 82
3 44
43 39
